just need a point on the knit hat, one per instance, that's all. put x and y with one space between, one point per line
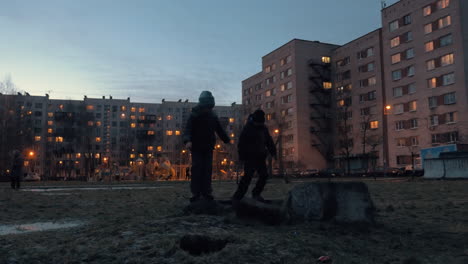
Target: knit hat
258 116
206 99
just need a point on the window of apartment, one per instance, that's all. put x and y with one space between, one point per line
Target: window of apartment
446 40
444 22
327 85
447 59
413 123
441 4
429 46
432 82
365 111
408 36
399 125
432 101
326 60
286 99
412 106
396 58
414 141
365 53
394 42
430 65
374 124
288 59
394 25
268 69
396 75
397 91
409 53
258 97
450 98
427 10
411 70
289 72
428 28
343 62
451 117
434 120
269 105
411 88
372 95
98 139
407 20
399 108
401 142
448 79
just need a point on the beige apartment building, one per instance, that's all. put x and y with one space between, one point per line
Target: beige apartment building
74 138
424 53
294 90
396 90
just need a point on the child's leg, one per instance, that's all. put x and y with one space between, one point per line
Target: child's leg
206 188
249 170
197 172
262 177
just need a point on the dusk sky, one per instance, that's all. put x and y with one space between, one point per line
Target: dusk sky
151 49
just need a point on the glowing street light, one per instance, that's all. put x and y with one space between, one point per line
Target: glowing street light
31 153
276 131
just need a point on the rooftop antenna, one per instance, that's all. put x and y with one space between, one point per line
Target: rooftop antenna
384 4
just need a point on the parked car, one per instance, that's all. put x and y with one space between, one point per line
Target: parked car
32 177
309 173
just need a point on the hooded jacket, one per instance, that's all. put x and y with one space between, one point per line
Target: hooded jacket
201 128
255 142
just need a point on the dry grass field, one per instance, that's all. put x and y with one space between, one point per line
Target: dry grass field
418 222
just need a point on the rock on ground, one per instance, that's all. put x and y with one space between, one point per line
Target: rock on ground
345 202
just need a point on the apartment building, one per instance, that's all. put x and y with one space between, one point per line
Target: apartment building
73 138
294 89
359 102
396 90
424 54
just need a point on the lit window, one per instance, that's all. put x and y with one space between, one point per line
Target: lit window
150 132
412 106
61 107
169 117
150 148
50 114
49 123
90 123
326 60
97 156
395 42
37 138
233 135
268 69
327 85
445 22
231 120
396 58
98 123
90 107
432 82
123 108
372 81
133 109
159 148
133 125
429 46
59 139
447 59
441 4
177 133
132 156
374 124
141 110
50 130
427 10
98 139
132 117
122 115
169 132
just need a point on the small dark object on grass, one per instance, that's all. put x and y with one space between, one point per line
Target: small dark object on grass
324 259
201 244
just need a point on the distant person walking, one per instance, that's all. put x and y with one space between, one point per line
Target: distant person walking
16 170
200 138
255 143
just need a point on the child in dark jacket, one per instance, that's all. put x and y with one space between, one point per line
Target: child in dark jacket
199 137
255 143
